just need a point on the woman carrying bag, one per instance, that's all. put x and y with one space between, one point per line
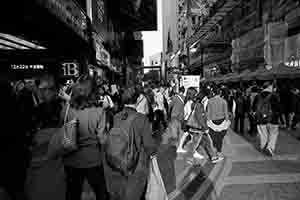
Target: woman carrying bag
86 161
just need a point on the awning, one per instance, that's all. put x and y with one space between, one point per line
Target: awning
280 71
277 72
10 42
239 77
227 7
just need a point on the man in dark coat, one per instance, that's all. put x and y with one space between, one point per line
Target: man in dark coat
132 187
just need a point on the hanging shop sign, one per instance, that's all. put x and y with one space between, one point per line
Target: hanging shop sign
70 13
99 16
102 56
191 81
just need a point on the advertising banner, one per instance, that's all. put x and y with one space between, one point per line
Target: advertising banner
248 46
99 16
275 34
191 81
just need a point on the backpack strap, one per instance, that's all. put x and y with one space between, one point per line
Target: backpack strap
180 98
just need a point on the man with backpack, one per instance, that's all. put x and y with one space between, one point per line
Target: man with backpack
267 117
127 151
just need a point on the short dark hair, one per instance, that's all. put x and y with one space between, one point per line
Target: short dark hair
130 96
182 89
84 93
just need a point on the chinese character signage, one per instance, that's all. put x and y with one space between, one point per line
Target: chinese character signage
99 16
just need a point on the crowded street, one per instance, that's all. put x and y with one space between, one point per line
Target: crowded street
150 100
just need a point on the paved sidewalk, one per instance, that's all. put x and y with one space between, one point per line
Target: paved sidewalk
253 175
246 173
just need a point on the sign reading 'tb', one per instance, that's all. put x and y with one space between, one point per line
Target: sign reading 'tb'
70 69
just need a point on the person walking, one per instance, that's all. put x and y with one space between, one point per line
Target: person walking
188 109
127 175
217 121
267 116
86 162
240 113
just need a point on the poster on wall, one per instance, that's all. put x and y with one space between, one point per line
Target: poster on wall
191 81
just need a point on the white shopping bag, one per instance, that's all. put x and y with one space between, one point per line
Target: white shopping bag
156 188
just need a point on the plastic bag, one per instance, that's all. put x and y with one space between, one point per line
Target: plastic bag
156 188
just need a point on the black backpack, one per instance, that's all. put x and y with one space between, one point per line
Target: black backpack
263 112
121 148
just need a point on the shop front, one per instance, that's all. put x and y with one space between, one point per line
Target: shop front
55 34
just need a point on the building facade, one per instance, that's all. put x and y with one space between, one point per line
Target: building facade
156 59
241 35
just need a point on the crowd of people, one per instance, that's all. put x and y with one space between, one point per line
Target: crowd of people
157 117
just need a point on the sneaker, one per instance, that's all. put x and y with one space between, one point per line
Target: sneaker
198 156
181 150
217 159
269 152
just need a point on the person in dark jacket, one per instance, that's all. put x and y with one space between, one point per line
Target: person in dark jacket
267 118
86 161
240 112
296 107
13 145
133 186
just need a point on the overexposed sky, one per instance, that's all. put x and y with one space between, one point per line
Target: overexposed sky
153 39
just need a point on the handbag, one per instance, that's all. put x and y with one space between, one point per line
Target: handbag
64 141
156 188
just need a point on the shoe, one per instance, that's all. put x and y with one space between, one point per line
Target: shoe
269 152
198 156
181 150
217 159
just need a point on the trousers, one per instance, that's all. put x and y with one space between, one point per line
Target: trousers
75 180
268 134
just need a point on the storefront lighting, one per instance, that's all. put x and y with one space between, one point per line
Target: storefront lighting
17 43
295 63
5 47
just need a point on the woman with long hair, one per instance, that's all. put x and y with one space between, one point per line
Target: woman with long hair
86 162
189 101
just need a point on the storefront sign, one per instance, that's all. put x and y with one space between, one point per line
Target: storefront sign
102 55
99 16
26 67
71 69
191 81
69 13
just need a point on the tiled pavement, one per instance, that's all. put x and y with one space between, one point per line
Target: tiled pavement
245 174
